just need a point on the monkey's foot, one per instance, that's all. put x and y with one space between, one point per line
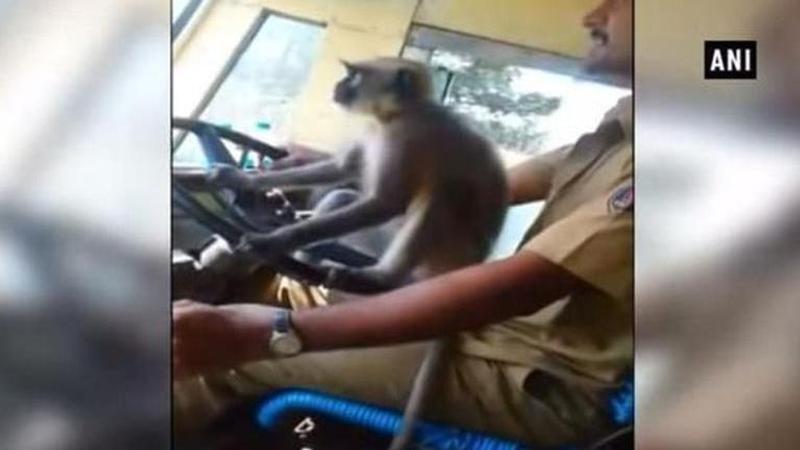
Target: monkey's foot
335 277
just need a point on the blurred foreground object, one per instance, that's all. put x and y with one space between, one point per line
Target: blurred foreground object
84 225
718 230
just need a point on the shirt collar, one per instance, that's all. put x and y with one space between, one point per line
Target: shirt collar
623 112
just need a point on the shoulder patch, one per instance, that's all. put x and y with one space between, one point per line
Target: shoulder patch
621 199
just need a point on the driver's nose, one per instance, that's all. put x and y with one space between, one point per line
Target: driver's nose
597 17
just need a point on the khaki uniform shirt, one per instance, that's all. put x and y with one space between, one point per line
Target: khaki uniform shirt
585 227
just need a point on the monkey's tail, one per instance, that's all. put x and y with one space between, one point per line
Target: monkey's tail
423 383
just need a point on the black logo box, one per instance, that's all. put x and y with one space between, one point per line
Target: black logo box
724 46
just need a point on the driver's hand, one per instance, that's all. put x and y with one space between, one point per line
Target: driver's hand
209 338
227 176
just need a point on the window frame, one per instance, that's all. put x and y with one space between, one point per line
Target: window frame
185 17
233 60
502 52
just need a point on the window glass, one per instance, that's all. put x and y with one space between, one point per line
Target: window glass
257 96
524 101
178 6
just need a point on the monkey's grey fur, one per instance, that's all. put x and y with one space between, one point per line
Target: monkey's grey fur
423 163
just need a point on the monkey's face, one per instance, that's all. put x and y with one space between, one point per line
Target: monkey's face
381 87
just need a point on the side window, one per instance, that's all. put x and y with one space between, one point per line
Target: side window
177 8
257 94
524 101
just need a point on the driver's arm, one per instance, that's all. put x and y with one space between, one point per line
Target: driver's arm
209 338
589 249
531 180
460 300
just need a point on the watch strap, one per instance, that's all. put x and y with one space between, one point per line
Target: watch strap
283 321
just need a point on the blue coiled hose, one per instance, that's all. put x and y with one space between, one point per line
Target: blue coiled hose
620 404
428 435
380 420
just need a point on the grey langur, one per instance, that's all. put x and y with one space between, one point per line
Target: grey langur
421 161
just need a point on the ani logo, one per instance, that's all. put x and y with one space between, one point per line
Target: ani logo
730 60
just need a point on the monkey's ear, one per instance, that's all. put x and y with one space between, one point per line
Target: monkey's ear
350 67
404 84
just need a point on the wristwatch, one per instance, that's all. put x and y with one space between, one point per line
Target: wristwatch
284 341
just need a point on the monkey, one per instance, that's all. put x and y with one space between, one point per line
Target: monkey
422 162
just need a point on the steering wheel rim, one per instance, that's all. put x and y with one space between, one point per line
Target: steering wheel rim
233 227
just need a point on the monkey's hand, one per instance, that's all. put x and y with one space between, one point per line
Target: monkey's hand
265 245
227 176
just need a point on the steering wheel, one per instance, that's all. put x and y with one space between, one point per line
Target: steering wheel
230 216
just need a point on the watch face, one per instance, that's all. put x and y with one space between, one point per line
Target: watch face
286 344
